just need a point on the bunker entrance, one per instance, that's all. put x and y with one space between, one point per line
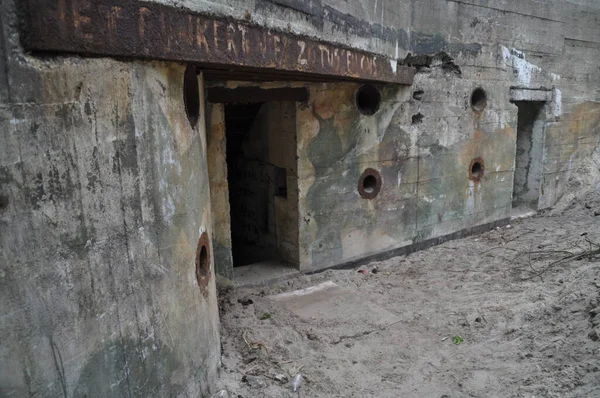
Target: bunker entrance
261 171
528 158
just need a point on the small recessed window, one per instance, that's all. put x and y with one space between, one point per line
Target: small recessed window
191 95
478 100
369 184
476 169
368 99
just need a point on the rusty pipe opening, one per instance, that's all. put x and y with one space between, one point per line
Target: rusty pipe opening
369 184
476 169
368 99
203 263
478 99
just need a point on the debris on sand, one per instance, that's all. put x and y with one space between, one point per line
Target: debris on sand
296 382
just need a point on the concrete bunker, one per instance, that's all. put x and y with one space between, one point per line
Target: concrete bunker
148 164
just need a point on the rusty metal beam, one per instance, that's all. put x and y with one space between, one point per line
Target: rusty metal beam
253 95
133 28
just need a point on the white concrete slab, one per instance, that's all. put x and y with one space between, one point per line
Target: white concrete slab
330 305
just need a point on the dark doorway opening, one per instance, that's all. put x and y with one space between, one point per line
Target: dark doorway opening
528 158
261 147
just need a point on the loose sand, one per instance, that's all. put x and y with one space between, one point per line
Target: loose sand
526 321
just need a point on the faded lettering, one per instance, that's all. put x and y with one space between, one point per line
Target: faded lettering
230 41
301 59
165 33
201 36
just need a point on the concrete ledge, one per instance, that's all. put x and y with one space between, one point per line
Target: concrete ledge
463 233
528 94
270 272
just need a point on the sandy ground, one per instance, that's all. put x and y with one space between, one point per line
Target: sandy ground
527 321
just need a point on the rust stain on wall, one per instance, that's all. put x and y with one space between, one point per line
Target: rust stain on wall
138 29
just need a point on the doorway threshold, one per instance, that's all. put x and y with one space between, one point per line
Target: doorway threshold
522 212
263 273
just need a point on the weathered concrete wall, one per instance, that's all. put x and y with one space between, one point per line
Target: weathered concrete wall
219 190
105 195
424 163
283 149
550 46
422 140
557 38
104 185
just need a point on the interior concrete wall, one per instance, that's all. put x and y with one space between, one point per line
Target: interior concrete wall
219 190
257 211
528 160
282 153
105 194
268 222
251 187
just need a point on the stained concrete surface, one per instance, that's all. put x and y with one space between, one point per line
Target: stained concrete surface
423 138
105 197
104 188
106 201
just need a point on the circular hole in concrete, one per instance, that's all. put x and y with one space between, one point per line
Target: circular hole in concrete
476 169
369 184
368 99
191 95
478 99
202 261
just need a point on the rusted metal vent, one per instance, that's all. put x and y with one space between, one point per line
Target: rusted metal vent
368 99
203 262
476 169
369 184
191 95
478 99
